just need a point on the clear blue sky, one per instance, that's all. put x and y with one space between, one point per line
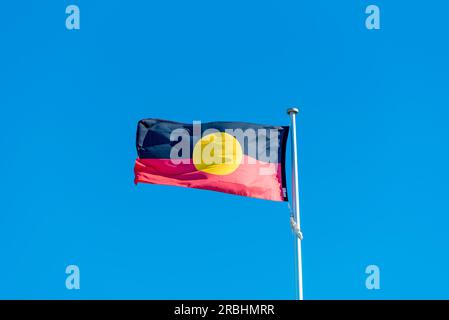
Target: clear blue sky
373 142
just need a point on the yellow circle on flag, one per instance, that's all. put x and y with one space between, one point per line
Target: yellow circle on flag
217 153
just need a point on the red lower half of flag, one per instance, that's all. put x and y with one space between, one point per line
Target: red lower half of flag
252 178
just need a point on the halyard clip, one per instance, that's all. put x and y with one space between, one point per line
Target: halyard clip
295 228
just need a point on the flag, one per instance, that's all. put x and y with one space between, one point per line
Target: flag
233 157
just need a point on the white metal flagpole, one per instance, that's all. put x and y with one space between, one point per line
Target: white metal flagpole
295 219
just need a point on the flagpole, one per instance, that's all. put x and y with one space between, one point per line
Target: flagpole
295 219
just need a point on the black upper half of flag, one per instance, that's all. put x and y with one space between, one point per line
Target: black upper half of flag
156 138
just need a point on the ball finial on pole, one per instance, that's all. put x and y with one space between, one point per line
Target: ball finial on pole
292 110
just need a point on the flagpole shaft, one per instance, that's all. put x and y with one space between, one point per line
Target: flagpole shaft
295 202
